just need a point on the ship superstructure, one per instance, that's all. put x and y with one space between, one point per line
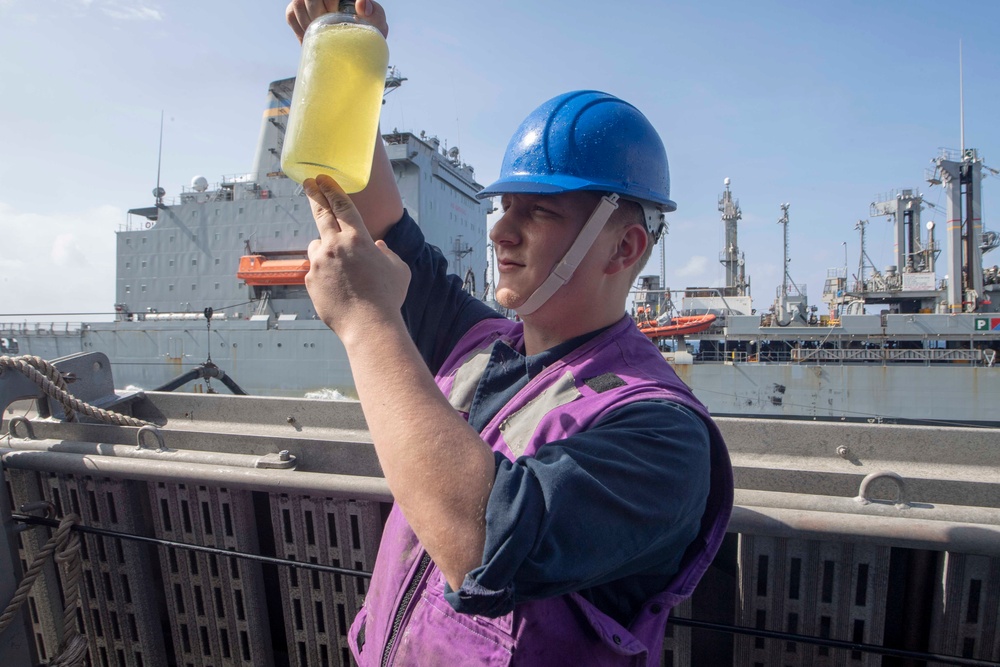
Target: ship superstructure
897 345
179 258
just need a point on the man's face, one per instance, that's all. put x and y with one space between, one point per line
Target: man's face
533 234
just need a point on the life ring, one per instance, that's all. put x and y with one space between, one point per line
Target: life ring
148 224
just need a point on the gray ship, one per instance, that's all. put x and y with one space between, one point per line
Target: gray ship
238 249
898 345
210 286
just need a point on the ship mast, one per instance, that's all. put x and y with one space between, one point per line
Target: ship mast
731 257
786 280
863 259
962 176
791 301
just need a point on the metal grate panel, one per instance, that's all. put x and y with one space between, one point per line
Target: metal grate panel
967 607
217 604
119 610
826 589
319 607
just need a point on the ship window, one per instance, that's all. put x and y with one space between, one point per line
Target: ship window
295 232
143 240
128 290
216 261
241 235
216 285
295 207
128 265
128 241
193 213
194 286
216 236
241 209
143 288
170 288
277 234
217 211
144 264
194 262
171 262
171 239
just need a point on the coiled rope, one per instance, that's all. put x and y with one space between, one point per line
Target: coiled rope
50 380
65 546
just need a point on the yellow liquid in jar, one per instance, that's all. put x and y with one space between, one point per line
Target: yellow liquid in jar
333 120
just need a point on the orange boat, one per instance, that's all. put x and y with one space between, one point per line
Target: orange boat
678 326
259 271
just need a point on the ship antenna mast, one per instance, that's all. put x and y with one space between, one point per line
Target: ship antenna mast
861 259
731 257
784 222
961 101
158 192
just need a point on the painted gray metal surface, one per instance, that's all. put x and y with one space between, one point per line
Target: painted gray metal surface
805 544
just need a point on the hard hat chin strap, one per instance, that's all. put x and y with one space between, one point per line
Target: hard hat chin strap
563 271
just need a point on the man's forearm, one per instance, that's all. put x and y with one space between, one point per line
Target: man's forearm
437 467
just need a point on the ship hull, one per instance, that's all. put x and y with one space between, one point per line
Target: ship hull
287 358
293 358
950 393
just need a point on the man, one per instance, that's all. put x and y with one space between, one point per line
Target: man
557 488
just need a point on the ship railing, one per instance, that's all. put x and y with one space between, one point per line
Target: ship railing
232 186
957 155
894 195
791 289
42 328
836 272
740 356
248 527
922 355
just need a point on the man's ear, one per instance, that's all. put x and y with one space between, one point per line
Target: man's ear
632 243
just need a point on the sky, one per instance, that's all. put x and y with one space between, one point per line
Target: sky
823 105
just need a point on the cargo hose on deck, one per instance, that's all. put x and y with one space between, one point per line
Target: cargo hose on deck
48 377
64 546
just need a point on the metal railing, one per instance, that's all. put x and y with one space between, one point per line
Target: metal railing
253 523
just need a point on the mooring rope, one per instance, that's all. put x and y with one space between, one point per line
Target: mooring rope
64 545
48 377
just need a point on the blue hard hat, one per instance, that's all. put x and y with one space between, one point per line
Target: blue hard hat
586 140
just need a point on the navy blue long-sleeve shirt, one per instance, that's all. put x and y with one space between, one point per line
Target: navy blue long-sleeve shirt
607 512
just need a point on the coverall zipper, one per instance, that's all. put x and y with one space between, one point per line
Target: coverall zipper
404 604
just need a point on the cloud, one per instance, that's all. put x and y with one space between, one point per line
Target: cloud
57 263
124 11
695 266
67 251
119 10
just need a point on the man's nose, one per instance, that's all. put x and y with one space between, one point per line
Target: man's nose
503 229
